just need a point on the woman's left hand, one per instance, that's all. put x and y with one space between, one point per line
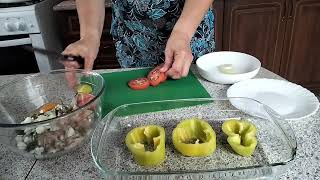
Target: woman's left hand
178 55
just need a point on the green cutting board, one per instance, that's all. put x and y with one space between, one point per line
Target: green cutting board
118 93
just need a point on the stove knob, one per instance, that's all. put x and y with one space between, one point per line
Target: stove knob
10 27
21 26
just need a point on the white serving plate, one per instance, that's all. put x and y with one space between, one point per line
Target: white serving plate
289 100
244 66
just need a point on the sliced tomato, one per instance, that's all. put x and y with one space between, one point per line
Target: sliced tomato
164 77
83 99
156 77
139 84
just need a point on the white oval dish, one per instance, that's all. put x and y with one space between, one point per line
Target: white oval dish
244 66
289 100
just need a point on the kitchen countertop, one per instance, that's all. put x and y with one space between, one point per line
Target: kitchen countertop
71 5
79 164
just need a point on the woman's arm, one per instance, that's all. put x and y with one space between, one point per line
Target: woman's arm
191 16
178 54
91 15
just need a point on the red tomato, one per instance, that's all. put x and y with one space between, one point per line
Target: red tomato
156 77
164 77
83 99
139 84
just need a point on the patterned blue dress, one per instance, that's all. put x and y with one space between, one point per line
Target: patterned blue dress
141 29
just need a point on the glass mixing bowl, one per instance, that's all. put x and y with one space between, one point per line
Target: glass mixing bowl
26 127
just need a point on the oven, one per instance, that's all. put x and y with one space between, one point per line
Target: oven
14 59
30 23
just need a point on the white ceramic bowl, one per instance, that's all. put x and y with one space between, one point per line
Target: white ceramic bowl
244 66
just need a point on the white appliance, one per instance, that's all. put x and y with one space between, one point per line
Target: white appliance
13 1
31 23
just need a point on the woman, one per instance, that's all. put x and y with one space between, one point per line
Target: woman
147 32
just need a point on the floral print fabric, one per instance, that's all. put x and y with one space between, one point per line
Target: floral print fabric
141 29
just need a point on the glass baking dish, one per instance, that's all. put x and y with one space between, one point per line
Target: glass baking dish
276 141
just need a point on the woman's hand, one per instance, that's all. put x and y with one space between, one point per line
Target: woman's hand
91 17
178 55
87 48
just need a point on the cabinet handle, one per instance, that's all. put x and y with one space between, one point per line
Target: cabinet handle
284 13
291 6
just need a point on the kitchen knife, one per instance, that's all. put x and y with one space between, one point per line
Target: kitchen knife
58 55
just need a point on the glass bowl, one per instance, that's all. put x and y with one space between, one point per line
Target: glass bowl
276 141
41 134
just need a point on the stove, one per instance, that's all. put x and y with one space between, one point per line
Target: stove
19 4
31 23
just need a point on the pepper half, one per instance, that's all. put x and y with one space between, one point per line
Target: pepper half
194 137
84 88
147 144
241 136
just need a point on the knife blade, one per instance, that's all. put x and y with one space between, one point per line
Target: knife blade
57 55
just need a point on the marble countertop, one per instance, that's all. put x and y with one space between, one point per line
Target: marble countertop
79 164
71 5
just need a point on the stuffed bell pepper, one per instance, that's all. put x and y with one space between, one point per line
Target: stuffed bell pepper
194 137
147 144
241 136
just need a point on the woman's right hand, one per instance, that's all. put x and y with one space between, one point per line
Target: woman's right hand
87 48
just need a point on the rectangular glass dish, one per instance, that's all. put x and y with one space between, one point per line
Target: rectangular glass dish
276 141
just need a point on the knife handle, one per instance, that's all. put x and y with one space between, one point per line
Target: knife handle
79 59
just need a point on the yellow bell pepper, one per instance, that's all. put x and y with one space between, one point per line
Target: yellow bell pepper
194 137
84 88
147 144
241 136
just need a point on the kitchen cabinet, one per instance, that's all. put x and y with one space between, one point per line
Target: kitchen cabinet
283 34
301 56
218 7
255 27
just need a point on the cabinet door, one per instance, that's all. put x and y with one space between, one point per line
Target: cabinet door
256 27
301 57
217 7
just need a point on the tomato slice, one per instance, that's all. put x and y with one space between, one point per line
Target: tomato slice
139 84
156 77
83 99
164 77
